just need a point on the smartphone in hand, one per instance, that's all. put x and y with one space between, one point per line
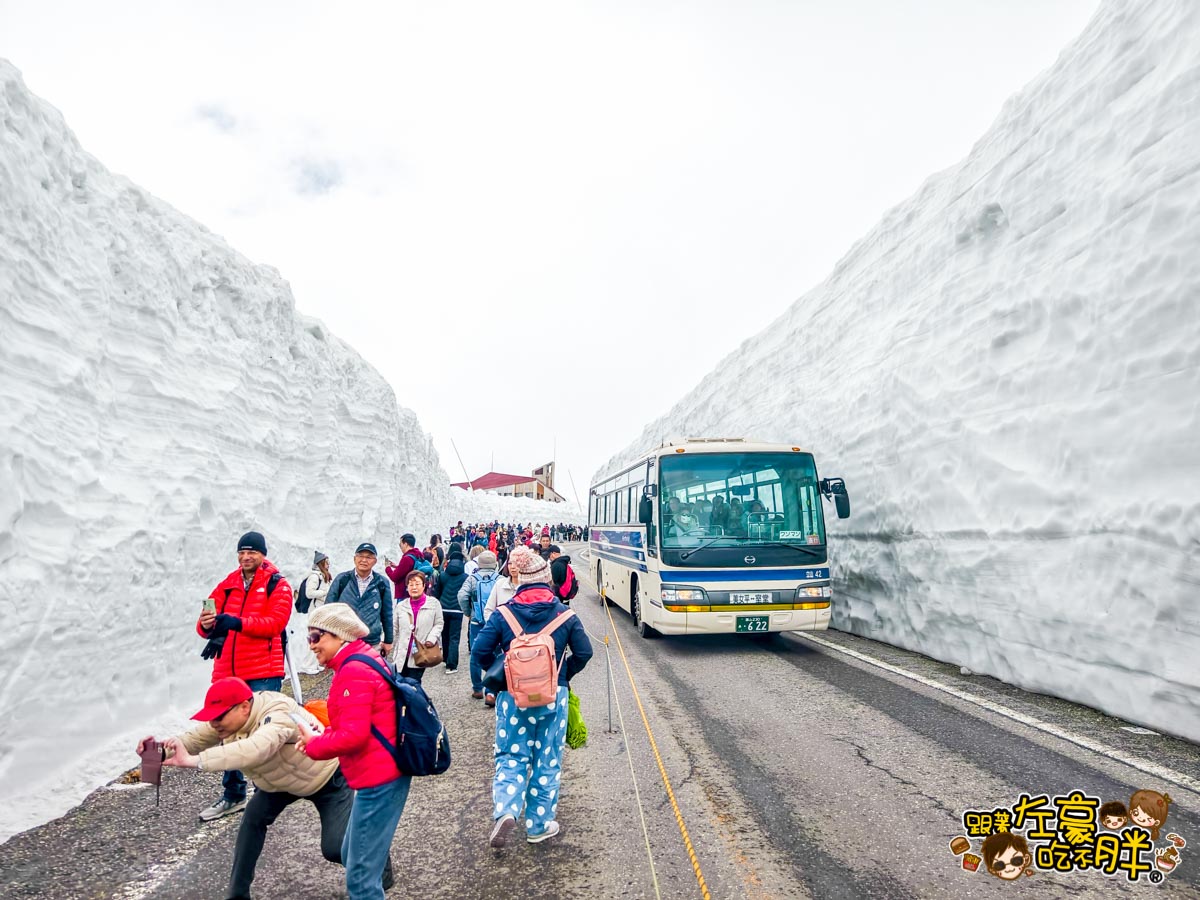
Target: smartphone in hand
210 605
152 760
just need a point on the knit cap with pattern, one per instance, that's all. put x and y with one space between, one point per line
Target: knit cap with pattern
340 621
529 566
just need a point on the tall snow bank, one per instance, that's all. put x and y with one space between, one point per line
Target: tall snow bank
159 395
480 506
1006 370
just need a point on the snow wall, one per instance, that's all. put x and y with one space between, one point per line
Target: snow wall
160 395
1006 371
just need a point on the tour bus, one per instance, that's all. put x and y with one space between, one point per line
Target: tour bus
714 535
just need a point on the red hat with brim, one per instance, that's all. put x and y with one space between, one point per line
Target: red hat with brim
224 694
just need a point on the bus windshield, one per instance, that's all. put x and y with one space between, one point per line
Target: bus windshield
739 499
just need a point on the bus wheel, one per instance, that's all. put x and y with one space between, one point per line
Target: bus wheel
635 606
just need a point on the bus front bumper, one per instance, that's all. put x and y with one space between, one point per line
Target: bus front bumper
727 622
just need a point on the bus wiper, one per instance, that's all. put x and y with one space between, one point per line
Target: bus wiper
819 554
720 537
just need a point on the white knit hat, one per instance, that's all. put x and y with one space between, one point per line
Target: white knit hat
340 621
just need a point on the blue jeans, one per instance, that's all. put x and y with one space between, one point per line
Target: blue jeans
476 671
234 781
528 751
365 849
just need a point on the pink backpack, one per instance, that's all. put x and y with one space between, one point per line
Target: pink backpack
531 665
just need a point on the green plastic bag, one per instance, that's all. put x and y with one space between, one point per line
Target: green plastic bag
576 728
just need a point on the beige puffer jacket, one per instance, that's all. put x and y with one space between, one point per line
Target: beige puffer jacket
265 749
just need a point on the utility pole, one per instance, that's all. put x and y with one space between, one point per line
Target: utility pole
470 487
573 491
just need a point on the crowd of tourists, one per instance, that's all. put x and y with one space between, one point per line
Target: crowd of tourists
379 633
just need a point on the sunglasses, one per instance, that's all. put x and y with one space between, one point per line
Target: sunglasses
999 864
315 635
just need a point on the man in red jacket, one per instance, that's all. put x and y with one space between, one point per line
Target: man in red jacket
244 619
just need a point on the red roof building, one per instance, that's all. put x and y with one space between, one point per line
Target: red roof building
534 486
491 481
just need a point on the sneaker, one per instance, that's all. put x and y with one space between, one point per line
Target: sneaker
389 877
222 807
450 672
504 827
490 701
551 831
476 695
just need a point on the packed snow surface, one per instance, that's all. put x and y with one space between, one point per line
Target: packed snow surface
1006 371
160 395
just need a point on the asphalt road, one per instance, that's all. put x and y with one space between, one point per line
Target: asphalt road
824 767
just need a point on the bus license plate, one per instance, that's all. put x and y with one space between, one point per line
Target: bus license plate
753 623
750 598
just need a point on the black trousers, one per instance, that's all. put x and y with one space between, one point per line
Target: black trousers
333 803
451 638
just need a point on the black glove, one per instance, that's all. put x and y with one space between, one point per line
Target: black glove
213 648
224 624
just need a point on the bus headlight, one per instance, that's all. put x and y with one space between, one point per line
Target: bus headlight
817 595
679 598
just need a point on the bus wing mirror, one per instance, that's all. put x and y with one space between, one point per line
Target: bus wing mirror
836 488
650 491
645 511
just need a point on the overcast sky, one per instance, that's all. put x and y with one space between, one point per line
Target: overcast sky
540 221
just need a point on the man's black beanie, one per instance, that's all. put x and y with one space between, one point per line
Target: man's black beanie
252 540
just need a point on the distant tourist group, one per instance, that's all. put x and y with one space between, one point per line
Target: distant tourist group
354 756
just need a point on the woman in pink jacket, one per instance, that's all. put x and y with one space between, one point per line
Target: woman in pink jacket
359 700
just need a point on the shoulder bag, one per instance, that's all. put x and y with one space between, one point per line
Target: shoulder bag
424 657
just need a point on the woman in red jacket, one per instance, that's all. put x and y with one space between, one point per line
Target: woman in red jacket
359 700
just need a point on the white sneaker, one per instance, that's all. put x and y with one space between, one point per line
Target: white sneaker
221 808
551 831
504 827
449 671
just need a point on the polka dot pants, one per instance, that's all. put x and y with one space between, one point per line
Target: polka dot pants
529 746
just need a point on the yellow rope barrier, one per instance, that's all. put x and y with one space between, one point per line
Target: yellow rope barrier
687 841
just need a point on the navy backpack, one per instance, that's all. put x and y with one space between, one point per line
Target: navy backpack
422 746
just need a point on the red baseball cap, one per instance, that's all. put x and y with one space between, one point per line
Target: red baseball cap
224 694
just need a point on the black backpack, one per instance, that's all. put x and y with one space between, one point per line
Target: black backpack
303 602
422 745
